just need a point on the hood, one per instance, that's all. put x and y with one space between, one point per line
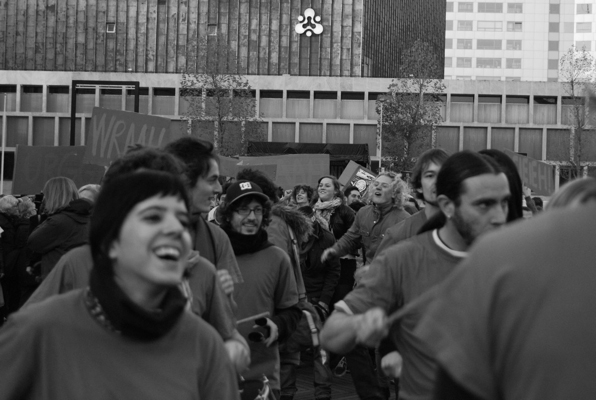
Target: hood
79 210
299 223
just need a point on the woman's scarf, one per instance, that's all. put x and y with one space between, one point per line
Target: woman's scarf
112 308
247 244
324 210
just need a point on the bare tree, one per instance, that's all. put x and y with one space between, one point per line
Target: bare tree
411 109
221 106
577 75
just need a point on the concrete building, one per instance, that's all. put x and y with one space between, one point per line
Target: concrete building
517 40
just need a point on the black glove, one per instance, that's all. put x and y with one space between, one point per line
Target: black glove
322 310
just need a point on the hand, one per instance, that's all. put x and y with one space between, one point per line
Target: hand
371 327
322 309
226 282
239 354
527 191
328 253
392 364
273 332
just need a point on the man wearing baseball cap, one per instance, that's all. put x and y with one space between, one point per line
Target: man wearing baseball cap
269 284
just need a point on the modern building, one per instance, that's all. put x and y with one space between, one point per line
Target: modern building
515 40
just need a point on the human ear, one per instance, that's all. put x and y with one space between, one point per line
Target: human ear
446 205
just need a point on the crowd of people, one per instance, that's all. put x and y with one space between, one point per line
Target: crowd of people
169 281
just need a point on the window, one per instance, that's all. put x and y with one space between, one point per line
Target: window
465 7
464 25
512 78
464 43
490 7
553 64
513 63
553 45
554 8
584 9
583 45
464 62
463 78
583 27
110 27
488 63
448 62
490 26
515 8
488 44
553 27
514 45
449 6
488 78
448 43
514 26
448 25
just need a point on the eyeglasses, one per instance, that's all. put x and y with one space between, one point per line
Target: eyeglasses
245 211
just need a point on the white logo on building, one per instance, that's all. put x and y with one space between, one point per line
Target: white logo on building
309 23
245 186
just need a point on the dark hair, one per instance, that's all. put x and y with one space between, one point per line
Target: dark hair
350 189
259 177
356 205
307 189
195 154
538 202
436 156
227 209
145 158
307 210
336 185
509 168
118 197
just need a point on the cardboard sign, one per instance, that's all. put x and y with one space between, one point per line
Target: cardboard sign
35 165
227 166
293 169
537 175
113 132
356 175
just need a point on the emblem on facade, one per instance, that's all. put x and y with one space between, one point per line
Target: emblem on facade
309 23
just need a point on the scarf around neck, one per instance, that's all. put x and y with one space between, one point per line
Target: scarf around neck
111 307
324 210
247 244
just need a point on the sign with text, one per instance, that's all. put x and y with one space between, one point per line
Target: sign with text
356 175
112 132
537 175
293 169
35 165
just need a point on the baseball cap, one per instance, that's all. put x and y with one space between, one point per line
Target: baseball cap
241 189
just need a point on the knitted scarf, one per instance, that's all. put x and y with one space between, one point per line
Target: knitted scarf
324 210
247 244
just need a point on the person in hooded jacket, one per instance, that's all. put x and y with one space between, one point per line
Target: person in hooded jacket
66 226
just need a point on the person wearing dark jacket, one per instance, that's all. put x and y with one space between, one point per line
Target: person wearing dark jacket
66 226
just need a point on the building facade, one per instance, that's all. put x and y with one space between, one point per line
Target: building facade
517 40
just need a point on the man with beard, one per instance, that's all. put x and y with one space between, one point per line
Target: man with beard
472 193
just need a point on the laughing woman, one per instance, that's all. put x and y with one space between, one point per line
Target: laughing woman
128 335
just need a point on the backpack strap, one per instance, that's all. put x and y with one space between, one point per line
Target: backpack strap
296 265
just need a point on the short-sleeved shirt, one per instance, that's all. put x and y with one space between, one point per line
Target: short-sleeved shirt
517 319
397 277
269 284
404 230
56 350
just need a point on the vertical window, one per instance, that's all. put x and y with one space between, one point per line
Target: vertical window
553 27
449 6
465 7
448 62
554 8
464 43
514 26
583 45
489 26
464 62
448 43
488 44
488 63
515 8
490 7
584 8
583 27
514 45
464 25
448 25
513 63
553 45
553 64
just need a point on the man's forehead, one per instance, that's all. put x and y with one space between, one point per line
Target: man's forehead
491 185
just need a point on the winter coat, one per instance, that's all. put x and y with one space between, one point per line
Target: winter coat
341 220
14 242
62 231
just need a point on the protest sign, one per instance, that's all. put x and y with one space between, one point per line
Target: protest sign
227 166
356 175
537 175
112 132
293 169
35 165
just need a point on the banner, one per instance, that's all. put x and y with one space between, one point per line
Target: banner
112 132
537 175
356 175
227 166
35 165
292 169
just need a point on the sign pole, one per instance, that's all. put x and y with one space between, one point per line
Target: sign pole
3 147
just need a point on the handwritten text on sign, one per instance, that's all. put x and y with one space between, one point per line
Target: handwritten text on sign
113 132
537 175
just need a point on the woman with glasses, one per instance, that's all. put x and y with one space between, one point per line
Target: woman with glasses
269 285
128 335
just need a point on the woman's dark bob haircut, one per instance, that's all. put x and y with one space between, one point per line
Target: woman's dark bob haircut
119 196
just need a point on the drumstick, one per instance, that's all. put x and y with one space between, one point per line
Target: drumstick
252 318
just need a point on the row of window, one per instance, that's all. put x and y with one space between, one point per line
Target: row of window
466 62
484 26
512 8
484 44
